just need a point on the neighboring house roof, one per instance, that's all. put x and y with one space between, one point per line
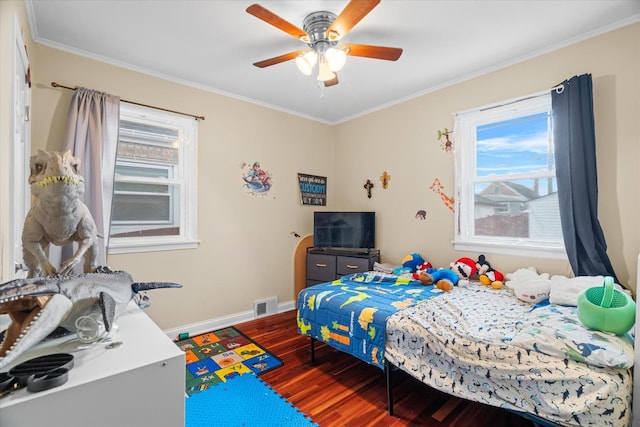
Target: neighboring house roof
505 191
482 200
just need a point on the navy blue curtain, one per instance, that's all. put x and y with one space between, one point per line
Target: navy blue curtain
575 153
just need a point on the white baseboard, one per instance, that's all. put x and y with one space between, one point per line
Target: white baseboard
221 322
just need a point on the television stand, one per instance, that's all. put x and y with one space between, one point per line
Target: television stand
346 251
329 264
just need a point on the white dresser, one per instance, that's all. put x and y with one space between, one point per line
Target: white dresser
139 383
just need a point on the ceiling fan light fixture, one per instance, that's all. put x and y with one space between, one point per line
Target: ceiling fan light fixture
324 72
322 31
306 61
336 58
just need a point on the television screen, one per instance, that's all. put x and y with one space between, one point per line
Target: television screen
344 230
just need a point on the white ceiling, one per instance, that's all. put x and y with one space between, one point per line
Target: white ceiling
213 44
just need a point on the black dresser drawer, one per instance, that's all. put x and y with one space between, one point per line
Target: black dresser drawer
321 267
349 265
329 265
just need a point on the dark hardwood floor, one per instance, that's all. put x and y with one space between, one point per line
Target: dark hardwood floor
340 390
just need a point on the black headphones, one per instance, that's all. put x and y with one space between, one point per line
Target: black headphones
38 374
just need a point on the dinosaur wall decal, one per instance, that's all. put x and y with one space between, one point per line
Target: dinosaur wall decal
57 215
37 306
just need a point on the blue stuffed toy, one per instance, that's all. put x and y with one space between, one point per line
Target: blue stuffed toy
441 278
412 261
410 264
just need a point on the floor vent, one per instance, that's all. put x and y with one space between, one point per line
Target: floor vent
265 307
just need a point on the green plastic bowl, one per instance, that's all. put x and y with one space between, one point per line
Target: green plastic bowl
606 309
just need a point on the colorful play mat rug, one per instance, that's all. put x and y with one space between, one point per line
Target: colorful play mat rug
215 357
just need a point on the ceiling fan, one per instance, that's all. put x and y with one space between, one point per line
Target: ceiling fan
321 32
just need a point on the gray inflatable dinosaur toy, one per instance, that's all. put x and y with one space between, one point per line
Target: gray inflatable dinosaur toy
37 306
57 215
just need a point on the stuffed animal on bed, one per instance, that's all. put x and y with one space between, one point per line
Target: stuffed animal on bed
414 261
411 264
528 285
442 278
487 275
464 268
423 267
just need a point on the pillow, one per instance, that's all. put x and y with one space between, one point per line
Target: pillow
528 285
565 290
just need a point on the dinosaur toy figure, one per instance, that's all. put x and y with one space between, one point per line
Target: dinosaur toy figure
57 215
37 306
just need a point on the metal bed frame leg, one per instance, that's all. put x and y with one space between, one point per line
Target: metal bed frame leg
387 370
313 352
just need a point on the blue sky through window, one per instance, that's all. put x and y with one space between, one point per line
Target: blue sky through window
514 146
508 198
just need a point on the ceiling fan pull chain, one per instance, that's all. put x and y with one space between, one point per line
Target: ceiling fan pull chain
321 87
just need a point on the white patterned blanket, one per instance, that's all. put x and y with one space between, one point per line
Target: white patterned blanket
487 346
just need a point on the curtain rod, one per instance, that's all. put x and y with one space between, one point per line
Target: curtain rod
54 84
558 88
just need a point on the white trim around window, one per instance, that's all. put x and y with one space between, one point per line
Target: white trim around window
468 179
184 180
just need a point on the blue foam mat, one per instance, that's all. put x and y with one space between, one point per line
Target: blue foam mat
244 401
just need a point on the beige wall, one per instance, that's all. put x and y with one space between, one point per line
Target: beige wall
403 141
246 248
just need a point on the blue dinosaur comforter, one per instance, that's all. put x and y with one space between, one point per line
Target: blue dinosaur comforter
350 314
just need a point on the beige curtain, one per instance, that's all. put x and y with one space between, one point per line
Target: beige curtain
92 136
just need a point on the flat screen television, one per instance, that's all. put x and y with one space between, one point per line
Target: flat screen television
347 230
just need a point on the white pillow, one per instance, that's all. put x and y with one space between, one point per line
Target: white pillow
528 285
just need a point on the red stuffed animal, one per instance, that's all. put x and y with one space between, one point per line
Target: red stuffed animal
420 268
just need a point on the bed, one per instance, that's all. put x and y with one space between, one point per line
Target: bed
350 313
477 343
487 346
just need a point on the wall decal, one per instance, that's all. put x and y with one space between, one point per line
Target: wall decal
257 181
368 186
437 188
385 178
443 137
421 214
313 189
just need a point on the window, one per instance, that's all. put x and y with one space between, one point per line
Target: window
154 194
507 198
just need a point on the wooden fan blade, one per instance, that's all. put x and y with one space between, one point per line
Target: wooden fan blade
376 52
332 82
273 19
349 17
277 59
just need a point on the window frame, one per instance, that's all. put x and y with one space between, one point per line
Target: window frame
465 126
168 182
184 181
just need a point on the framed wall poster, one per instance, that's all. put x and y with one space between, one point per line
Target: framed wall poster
313 189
